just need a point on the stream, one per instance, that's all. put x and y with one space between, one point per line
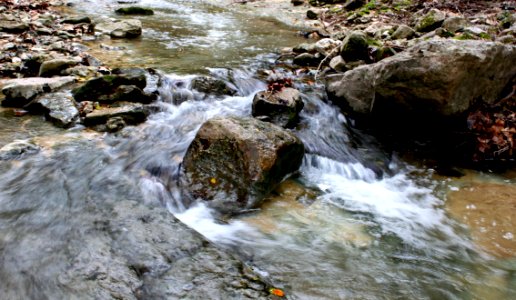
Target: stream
355 223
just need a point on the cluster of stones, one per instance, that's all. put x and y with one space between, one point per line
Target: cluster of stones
43 55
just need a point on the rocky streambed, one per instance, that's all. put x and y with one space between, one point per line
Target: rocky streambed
99 201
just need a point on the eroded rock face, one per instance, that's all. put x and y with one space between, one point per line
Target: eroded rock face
441 77
281 108
233 163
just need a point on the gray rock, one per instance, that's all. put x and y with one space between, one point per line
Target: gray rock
440 77
454 24
76 20
403 32
281 108
18 149
233 163
506 39
54 66
13 26
430 21
307 59
129 28
305 47
93 237
354 4
212 86
354 47
19 92
101 88
338 64
128 93
59 107
131 113
326 46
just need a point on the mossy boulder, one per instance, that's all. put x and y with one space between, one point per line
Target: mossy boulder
430 21
354 47
134 10
233 163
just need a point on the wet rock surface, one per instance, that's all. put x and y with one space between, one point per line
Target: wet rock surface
212 86
130 113
97 239
433 77
60 108
234 163
281 108
18 149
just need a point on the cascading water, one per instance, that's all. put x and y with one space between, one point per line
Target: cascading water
360 226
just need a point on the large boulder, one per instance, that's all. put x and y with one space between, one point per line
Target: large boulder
233 163
19 92
281 108
434 78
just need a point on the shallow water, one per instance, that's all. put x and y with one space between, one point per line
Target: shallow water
339 230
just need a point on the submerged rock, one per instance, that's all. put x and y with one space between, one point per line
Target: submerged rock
213 86
442 77
18 149
233 163
129 28
281 108
19 92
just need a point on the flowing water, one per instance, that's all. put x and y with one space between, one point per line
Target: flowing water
355 223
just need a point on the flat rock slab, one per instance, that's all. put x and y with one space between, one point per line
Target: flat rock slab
79 229
19 92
